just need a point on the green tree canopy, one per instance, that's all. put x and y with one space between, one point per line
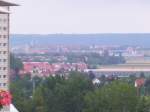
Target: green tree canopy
115 97
57 94
15 63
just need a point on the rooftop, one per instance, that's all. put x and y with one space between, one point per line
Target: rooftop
7 3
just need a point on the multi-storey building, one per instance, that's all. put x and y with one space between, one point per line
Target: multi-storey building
4 46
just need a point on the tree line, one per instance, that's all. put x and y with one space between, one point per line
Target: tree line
77 93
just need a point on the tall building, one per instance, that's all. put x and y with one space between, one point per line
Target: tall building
4 47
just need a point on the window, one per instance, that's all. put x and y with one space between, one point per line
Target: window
4 76
4 60
4 68
4 84
4 44
5 20
4 52
4 36
4 28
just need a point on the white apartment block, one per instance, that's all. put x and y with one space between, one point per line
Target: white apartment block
4 46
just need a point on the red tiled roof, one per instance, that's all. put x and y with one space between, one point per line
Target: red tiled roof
28 66
46 68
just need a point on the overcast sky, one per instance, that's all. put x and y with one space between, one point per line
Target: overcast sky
80 16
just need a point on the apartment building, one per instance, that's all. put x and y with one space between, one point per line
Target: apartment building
4 47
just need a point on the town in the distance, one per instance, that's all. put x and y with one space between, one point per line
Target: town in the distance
62 53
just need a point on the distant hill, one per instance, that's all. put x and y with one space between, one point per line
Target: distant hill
82 39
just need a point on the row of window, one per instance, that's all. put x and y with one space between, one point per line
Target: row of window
3 60
3 76
3 52
3 36
3 20
3 44
3 68
3 84
3 28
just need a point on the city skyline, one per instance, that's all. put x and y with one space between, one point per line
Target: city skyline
76 16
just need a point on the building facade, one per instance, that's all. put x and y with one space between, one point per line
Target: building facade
4 47
4 50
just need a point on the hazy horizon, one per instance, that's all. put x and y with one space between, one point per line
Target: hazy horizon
83 39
